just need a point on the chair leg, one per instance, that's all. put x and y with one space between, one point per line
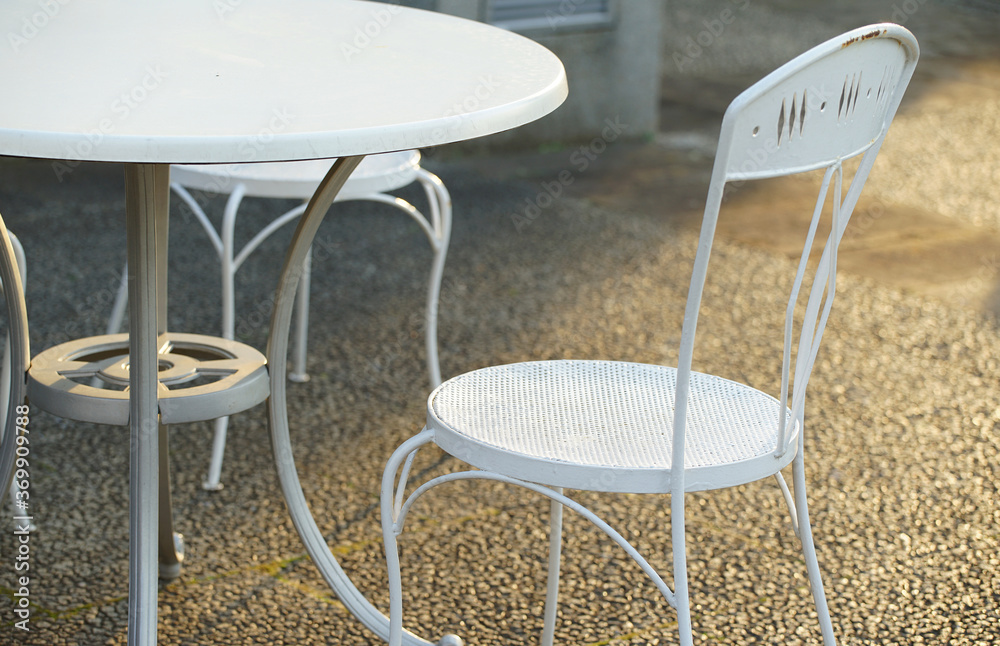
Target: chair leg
117 315
395 580
212 481
118 308
555 553
809 551
227 269
440 207
437 228
389 509
395 508
391 504
298 372
681 596
171 544
433 296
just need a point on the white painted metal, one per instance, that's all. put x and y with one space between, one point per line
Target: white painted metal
304 92
376 176
60 378
637 428
552 580
277 357
170 543
314 98
277 354
15 362
143 220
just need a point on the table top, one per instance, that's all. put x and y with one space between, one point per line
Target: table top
257 80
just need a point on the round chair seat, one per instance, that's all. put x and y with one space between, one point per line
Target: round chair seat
606 426
201 378
298 180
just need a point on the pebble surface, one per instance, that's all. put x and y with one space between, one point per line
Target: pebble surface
902 444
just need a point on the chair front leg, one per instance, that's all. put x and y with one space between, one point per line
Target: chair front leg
391 501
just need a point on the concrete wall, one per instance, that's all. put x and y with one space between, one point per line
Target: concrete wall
613 72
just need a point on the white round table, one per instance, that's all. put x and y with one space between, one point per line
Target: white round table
151 84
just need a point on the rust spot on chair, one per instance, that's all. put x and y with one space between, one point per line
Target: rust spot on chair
857 39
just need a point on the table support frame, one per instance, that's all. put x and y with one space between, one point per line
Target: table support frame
277 360
147 202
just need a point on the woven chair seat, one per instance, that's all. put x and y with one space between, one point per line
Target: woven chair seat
612 421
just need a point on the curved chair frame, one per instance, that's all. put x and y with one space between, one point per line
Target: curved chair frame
808 115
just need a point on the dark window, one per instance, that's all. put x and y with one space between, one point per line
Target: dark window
548 14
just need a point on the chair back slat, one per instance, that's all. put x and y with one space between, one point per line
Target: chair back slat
817 310
816 109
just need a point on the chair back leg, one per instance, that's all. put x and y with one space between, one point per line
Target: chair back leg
298 372
682 600
118 308
809 551
213 479
170 543
555 555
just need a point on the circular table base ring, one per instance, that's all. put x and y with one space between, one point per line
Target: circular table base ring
201 378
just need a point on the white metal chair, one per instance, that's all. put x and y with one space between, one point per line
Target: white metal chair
372 180
635 428
15 365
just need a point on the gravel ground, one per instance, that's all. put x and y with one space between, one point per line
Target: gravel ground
902 447
949 144
903 443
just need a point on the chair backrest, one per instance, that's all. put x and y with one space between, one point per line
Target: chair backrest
16 354
830 104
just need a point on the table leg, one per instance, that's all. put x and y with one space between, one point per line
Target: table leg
277 359
146 198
